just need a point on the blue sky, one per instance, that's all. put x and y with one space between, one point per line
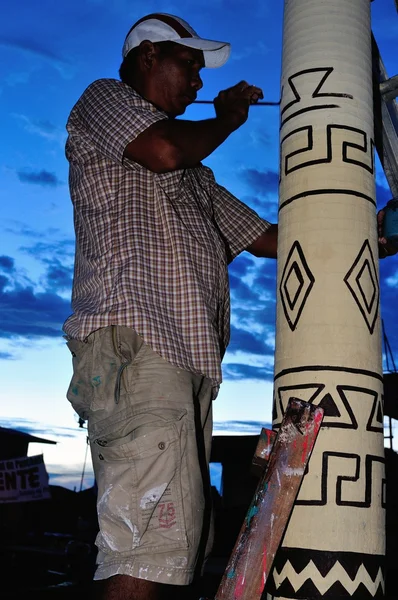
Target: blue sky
49 53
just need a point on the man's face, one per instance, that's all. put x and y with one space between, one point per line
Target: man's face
176 78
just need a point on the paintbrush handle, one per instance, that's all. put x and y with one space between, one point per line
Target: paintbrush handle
256 104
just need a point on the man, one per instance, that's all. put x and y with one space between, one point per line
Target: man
154 236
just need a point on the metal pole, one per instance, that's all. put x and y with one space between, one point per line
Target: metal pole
328 342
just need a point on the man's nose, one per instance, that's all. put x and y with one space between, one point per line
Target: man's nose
197 82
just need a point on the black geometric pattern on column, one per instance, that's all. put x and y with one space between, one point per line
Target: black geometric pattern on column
340 143
337 398
313 574
354 471
338 412
363 283
375 422
300 81
296 284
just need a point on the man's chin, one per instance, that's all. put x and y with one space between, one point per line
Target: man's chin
177 112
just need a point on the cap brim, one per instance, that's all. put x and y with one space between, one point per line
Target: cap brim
215 53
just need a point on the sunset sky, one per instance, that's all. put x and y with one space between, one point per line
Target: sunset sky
49 52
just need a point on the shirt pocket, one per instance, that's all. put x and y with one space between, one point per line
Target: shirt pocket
139 487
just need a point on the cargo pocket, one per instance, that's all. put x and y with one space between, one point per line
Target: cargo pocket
81 390
139 487
96 373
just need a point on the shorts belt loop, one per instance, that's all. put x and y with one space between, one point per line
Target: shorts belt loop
118 380
122 366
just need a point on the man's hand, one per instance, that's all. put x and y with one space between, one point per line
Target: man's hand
232 105
385 249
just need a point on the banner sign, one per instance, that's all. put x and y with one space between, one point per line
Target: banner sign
23 479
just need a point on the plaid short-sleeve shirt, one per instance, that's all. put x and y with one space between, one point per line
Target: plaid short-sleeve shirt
151 249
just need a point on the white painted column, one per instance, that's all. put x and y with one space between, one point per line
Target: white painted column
328 347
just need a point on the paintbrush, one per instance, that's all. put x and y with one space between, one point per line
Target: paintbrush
255 104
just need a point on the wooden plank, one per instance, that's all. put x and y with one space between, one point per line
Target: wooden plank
263 451
265 523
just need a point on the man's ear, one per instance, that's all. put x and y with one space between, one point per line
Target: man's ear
147 54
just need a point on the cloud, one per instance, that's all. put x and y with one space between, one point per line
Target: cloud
57 250
266 275
22 230
70 479
252 319
260 272
262 183
43 128
257 49
246 341
27 313
33 48
4 281
7 263
30 46
36 309
253 292
241 265
39 429
237 371
261 137
44 178
19 77
247 427
6 356
252 283
241 291
264 188
58 276
58 260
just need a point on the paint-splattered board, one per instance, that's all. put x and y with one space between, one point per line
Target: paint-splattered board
262 531
263 451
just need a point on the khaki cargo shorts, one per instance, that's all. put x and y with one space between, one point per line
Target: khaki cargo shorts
149 428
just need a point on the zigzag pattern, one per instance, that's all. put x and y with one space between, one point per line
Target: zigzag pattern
336 574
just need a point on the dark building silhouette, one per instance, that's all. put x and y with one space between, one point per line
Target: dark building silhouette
15 443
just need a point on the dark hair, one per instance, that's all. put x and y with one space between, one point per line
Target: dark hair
129 65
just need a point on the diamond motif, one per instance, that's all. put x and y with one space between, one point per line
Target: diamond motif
296 284
366 285
363 283
293 284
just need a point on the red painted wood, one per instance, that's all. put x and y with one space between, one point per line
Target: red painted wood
263 451
269 512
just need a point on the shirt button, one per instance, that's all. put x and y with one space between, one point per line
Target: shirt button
161 445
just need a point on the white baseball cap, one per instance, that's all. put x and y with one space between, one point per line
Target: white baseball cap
161 27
